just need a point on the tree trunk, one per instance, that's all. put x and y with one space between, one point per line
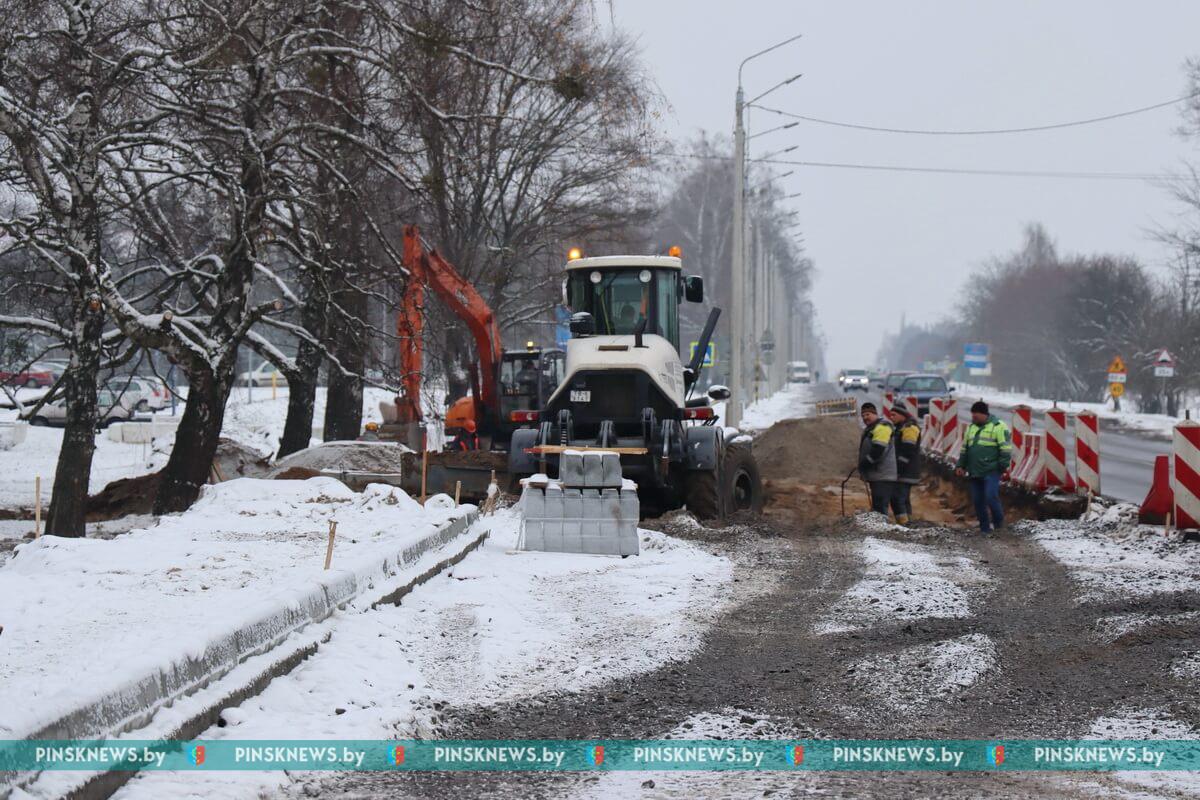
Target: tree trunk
68 503
344 401
196 439
302 398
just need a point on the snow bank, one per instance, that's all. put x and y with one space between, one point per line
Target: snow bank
903 582
499 626
117 610
1128 416
794 401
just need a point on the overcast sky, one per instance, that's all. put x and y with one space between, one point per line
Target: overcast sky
937 65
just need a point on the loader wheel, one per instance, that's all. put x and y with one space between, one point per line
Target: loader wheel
743 485
703 495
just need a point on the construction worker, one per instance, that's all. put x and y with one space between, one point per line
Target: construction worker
908 462
465 438
986 454
877 458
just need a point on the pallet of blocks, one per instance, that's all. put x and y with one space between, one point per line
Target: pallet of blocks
590 508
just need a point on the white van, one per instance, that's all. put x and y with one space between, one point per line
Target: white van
798 372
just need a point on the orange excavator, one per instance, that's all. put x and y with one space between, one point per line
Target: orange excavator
501 382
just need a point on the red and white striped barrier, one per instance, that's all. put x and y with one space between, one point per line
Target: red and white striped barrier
934 420
1055 451
1032 472
889 399
956 444
1022 426
1087 452
912 407
1186 448
951 428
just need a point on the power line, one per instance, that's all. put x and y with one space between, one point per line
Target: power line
986 131
1020 173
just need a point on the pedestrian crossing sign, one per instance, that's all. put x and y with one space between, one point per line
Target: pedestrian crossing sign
710 354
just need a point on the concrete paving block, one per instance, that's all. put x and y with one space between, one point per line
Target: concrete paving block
593 469
630 507
534 535
552 535
533 502
611 470
554 508
571 468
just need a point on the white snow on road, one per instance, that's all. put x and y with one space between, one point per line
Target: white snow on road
909 680
499 626
902 582
791 402
1111 561
1149 723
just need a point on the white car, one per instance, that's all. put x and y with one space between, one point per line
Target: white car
798 372
855 379
143 394
112 407
261 376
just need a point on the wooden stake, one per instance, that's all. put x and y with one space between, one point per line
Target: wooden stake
329 547
37 507
424 471
273 383
457 491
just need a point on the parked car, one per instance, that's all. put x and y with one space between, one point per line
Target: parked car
924 388
261 376
854 379
37 376
113 407
798 372
144 394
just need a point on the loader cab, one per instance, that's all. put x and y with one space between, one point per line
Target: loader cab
619 291
527 379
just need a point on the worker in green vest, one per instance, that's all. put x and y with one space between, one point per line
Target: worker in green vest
986 454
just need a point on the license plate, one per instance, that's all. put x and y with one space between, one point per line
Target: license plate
581 396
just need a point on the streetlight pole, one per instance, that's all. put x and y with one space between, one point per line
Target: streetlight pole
737 327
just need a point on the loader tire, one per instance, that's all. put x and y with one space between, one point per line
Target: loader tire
702 494
742 485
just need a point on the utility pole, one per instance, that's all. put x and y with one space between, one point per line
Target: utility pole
737 338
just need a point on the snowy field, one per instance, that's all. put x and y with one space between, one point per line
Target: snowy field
252 418
127 607
793 401
499 626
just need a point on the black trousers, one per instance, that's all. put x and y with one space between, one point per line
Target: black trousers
881 495
902 499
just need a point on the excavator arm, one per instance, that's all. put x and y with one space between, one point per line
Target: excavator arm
428 269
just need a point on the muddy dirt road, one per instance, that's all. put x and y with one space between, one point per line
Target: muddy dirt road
852 628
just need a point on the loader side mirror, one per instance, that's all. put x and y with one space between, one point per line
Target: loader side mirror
693 289
582 324
717 392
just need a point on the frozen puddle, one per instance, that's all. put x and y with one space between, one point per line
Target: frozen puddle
908 680
903 582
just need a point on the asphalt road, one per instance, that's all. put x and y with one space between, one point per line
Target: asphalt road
1126 458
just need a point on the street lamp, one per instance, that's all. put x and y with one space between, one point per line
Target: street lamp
772 130
738 322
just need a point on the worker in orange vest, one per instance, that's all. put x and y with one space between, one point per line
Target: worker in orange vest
466 438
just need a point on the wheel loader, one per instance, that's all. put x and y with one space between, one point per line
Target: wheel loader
627 389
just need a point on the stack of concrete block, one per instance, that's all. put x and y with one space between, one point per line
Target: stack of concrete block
591 508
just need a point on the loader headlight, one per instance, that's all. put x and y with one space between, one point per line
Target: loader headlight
644 276
595 277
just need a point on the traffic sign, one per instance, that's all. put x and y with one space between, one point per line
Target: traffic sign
1116 365
710 355
1165 357
1164 371
1117 377
1116 389
976 355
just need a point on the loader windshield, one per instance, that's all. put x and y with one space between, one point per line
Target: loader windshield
617 299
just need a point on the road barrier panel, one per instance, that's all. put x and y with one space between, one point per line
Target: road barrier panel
1186 485
1022 426
1032 472
1160 500
1054 451
951 429
889 399
934 420
912 407
1087 452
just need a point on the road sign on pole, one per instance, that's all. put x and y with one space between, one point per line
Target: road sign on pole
1164 364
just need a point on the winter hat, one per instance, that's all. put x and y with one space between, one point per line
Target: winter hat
980 407
867 407
901 410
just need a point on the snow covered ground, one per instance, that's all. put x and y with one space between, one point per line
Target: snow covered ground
904 582
1128 416
116 610
907 680
1120 559
252 417
793 401
499 626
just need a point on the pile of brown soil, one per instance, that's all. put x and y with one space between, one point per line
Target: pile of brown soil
816 450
